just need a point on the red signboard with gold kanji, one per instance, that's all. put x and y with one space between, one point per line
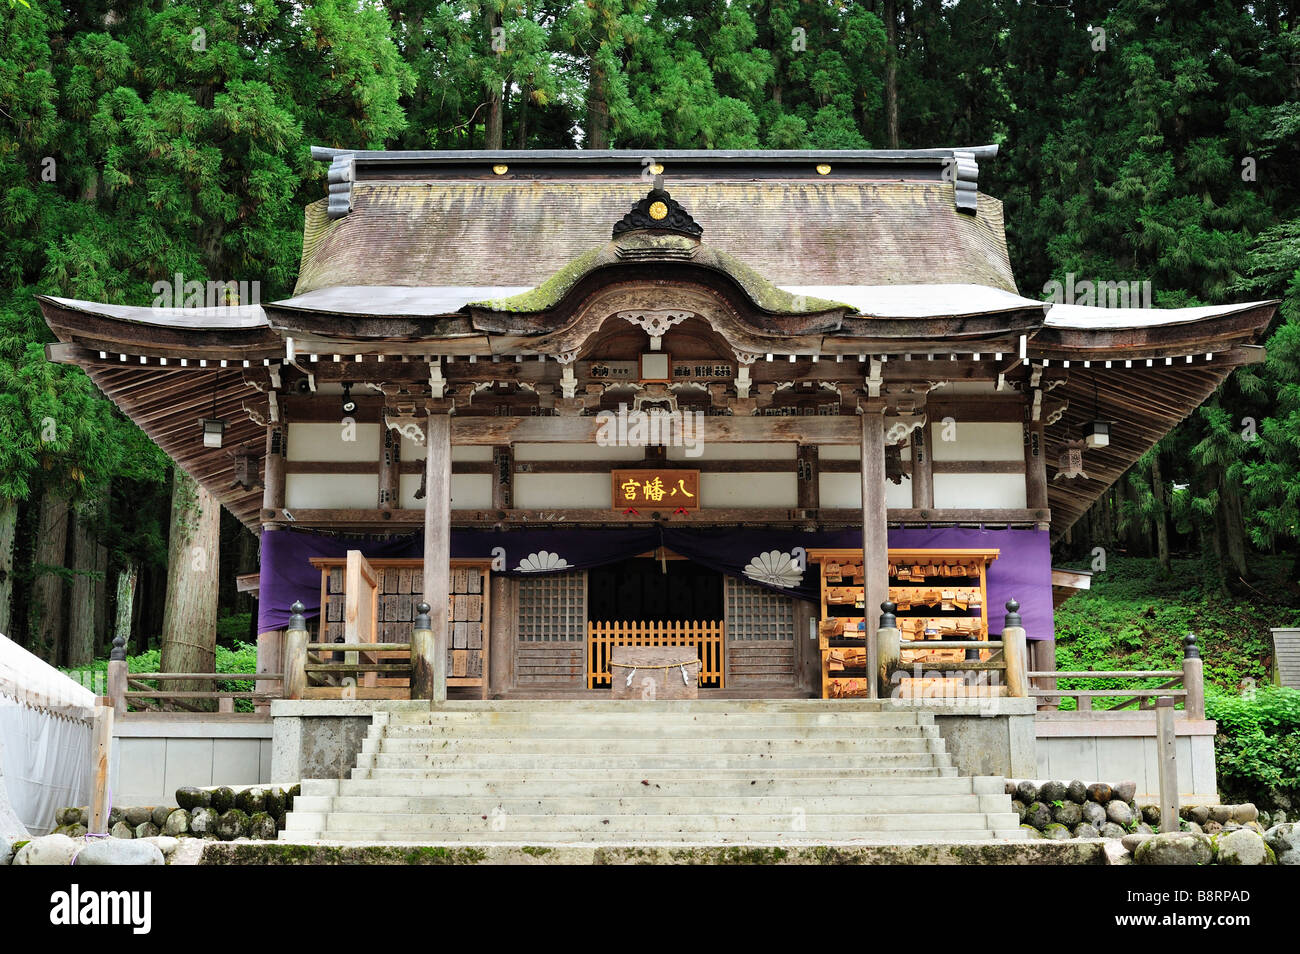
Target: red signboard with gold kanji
656 488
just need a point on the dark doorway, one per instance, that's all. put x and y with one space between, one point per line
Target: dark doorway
640 590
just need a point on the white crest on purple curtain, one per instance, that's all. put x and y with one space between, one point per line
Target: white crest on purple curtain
775 569
543 561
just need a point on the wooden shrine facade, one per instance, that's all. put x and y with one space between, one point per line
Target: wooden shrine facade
786 340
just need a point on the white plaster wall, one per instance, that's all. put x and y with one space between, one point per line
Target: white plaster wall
1118 758
979 491
591 451
978 440
563 491
325 442
844 492
155 758
413 451
843 452
748 490
726 451
468 492
331 491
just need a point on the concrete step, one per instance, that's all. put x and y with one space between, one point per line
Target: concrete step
636 761
698 823
640 728
485 774
418 710
809 837
807 802
688 745
603 785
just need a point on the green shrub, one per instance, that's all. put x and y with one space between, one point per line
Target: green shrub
241 658
1258 746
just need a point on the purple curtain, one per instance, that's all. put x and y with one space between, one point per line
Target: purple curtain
769 558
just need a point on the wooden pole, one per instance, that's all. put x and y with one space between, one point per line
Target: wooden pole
437 540
888 647
117 670
875 541
101 753
808 477
273 470
295 654
1013 651
1193 679
1035 466
1166 749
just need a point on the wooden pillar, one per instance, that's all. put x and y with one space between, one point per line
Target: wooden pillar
808 477
503 476
270 659
437 531
875 540
117 672
390 470
1035 466
1013 651
501 636
922 469
273 468
1167 754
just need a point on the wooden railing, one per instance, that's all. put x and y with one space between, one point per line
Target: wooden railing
1186 684
706 635
1006 655
131 691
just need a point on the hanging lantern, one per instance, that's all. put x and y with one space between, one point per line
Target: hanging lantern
1097 433
1070 463
213 429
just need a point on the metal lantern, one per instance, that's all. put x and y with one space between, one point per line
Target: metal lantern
1070 464
1097 433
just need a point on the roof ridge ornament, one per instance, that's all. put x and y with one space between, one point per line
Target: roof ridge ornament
658 211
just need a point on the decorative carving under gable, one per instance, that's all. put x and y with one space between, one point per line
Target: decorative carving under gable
658 211
655 394
1055 413
254 415
655 323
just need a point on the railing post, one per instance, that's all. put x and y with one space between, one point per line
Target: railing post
1166 750
888 647
1193 679
117 675
101 751
295 654
424 664
1013 651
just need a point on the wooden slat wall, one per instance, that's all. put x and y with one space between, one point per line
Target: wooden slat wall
1286 650
760 636
550 648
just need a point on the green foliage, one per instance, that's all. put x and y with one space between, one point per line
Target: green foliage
239 657
1135 617
1258 746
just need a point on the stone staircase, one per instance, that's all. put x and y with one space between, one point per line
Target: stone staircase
750 772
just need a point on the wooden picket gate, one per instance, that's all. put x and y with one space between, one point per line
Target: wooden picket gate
707 636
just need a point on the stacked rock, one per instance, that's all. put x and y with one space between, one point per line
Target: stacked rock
214 813
1061 810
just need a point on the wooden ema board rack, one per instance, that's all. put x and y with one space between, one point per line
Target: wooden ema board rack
400 584
941 594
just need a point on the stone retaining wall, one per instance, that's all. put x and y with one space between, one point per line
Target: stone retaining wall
218 813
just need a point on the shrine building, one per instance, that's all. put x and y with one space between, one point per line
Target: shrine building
734 400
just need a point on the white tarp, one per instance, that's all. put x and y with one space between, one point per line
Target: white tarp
45 739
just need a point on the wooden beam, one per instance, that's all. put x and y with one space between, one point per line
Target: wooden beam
720 430
390 469
875 543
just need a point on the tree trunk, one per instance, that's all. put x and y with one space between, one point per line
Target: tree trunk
1160 517
597 109
1234 527
8 531
48 590
125 604
81 607
189 629
891 73
492 128
521 121
101 598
